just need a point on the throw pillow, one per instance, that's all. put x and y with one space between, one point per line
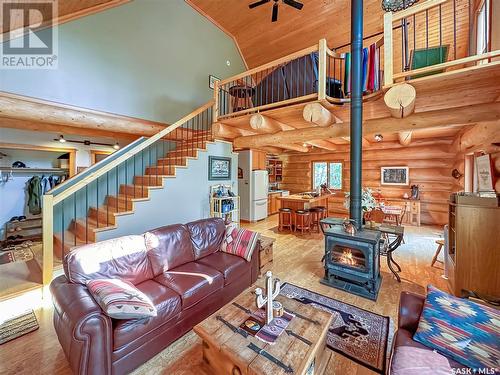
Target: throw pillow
240 242
460 329
120 299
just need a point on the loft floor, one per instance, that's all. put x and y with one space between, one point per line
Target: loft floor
296 260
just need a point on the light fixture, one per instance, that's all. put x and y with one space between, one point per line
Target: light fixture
86 142
378 137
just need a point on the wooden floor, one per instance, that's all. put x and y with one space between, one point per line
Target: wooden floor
296 260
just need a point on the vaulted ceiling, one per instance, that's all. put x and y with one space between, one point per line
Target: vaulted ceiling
261 40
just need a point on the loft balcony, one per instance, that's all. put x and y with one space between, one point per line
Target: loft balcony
440 47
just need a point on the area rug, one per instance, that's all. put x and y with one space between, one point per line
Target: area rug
358 334
18 255
18 326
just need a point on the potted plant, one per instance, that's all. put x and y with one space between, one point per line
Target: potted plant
368 201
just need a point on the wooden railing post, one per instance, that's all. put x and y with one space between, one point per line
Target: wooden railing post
322 69
388 55
48 239
215 111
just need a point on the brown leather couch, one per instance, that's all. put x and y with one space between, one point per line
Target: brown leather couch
179 267
410 308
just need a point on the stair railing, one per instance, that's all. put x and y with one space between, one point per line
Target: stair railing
111 186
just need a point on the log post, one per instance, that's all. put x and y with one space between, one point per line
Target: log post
317 114
264 124
400 100
405 137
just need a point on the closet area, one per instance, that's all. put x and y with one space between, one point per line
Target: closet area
26 173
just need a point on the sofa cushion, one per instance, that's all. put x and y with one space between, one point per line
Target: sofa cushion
169 247
206 235
192 281
123 257
461 329
120 299
168 306
231 266
240 242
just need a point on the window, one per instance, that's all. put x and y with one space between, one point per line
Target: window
329 173
482 29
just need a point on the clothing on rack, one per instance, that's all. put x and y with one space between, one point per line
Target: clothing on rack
370 68
38 186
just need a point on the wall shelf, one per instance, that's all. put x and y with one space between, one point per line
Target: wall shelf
35 170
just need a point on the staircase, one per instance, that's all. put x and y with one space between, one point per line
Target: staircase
92 209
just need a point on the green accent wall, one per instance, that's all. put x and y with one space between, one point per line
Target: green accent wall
148 59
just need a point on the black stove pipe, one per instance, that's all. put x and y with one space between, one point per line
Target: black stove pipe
355 208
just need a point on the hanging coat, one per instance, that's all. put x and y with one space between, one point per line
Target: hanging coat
34 188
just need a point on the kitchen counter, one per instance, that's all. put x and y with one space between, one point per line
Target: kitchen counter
299 202
277 191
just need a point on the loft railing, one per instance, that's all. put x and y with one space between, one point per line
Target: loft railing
110 186
435 36
313 73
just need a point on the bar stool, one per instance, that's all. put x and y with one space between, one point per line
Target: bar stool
302 221
440 244
316 216
285 219
324 211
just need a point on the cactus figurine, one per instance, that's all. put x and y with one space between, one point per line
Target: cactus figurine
272 291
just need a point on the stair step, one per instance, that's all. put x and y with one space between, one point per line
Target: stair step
148 180
160 170
124 203
78 227
104 211
175 161
70 241
135 191
193 152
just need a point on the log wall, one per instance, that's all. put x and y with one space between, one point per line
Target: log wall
430 168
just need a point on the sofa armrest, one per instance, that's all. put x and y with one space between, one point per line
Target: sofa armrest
84 331
410 308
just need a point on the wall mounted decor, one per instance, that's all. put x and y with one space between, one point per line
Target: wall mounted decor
219 168
211 81
394 175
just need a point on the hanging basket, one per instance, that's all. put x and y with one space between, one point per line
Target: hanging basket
397 5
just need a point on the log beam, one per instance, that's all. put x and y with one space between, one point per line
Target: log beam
37 110
265 124
400 100
318 115
405 137
325 145
432 119
480 135
225 131
294 147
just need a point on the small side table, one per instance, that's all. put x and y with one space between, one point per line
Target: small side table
241 97
265 254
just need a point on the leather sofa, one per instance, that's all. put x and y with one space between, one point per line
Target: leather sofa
425 359
179 267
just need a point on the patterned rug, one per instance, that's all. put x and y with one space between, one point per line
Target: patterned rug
358 334
18 326
17 255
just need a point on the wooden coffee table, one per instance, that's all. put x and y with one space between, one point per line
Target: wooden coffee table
301 349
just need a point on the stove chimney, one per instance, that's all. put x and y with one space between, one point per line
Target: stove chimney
355 208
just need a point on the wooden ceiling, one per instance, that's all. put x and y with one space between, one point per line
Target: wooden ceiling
67 10
261 40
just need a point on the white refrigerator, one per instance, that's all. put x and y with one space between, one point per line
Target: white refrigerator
258 195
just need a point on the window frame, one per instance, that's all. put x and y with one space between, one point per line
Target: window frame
341 162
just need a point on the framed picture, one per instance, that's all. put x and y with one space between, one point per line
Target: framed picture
395 175
211 81
219 168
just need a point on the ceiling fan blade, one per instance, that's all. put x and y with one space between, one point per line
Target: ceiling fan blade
256 4
294 4
274 18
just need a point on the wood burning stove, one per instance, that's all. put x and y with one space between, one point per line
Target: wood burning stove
352 262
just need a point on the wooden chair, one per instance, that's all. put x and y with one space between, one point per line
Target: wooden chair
376 215
285 219
302 221
440 244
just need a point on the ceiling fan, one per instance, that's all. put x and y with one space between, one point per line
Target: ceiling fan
274 17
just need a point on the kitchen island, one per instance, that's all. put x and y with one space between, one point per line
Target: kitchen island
301 201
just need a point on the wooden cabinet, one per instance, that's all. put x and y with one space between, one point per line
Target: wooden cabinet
472 256
411 209
275 168
258 160
273 203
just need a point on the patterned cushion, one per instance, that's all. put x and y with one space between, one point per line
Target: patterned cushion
120 299
240 242
460 329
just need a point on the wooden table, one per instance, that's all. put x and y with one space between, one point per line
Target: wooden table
229 350
298 202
